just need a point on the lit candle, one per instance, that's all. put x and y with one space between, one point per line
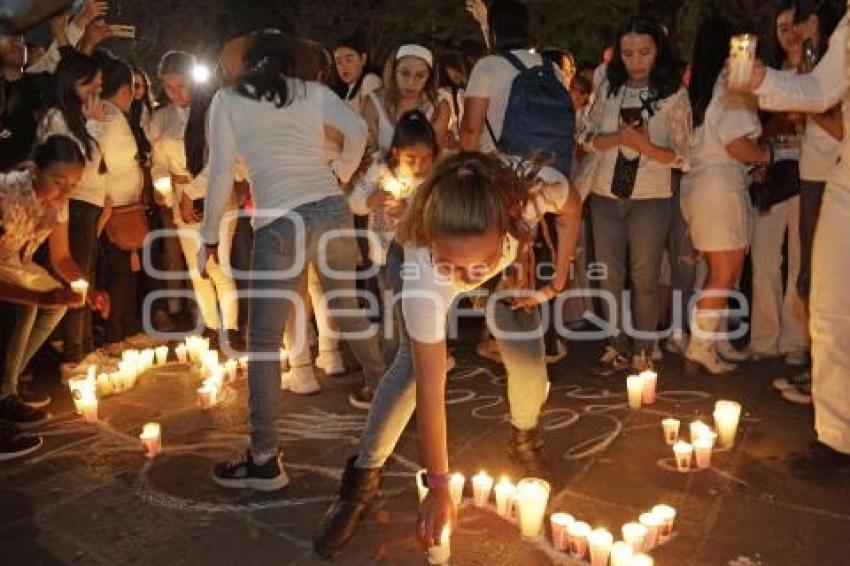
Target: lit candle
181 351
560 522
207 396
671 430
456 487
684 452
162 355
703 447
505 491
727 414
577 534
668 516
635 535
88 405
621 554
162 185
243 363
600 542
634 385
482 484
441 553
230 369
653 524
532 496
641 560
421 488
650 384
80 287
148 358
151 439
698 430
742 55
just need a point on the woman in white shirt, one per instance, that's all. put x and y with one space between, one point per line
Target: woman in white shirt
179 154
714 200
639 127
355 81
277 124
470 221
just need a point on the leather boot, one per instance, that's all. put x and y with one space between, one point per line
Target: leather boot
526 452
358 489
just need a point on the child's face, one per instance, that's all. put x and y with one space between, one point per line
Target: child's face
414 161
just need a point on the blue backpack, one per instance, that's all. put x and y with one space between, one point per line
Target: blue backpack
539 118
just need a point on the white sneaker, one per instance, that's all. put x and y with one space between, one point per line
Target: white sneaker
330 361
300 380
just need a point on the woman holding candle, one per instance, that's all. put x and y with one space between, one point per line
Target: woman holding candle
714 200
640 129
471 219
33 205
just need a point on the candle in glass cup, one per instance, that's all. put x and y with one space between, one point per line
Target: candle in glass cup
207 396
505 491
634 386
151 439
727 414
600 542
162 355
456 487
560 522
532 495
162 185
181 351
653 524
698 430
742 55
683 452
667 515
621 553
641 560
703 447
670 427
482 484
80 287
635 535
577 534
441 553
650 385
231 367
421 487
88 405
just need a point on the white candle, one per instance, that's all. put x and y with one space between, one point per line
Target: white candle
441 553
650 384
148 358
482 484
653 524
635 535
577 533
80 287
505 491
421 488
670 427
727 414
230 369
634 385
621 554
207 396
243 363
456 487
81 387
532 496
641 560
742 55
600 542
702 451
698 430
683 452
162 355
560 522
151 439
88 405
181 352
667 515
162 185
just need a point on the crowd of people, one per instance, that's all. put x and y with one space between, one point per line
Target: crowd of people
646 182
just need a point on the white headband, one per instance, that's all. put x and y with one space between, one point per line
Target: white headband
413 50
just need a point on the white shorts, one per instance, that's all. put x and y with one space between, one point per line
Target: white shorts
717 209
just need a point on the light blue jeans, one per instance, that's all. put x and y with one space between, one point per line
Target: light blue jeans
271 298
395 398
24 328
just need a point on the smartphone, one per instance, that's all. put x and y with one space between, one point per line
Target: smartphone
631 117
125 31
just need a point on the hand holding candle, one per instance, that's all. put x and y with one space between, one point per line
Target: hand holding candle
80 287
163 187
742 55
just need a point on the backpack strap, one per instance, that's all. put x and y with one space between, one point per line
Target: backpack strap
514 60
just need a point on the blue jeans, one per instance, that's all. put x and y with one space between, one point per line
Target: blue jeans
23 330
395 399
271 300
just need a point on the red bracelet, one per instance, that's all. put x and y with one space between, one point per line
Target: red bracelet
434 481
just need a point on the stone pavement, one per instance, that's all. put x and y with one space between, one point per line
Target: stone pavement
90 497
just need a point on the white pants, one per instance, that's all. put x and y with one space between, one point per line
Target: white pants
830 320
779 324
295 339
219 290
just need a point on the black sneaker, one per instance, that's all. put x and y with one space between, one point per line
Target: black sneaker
13 444
361 398
241 472
820 460
610 363
15 411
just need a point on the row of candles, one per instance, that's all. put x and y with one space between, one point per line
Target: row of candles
528 500
727 415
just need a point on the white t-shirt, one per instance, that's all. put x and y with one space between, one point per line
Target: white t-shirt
819 153
124 179
492 78
428 295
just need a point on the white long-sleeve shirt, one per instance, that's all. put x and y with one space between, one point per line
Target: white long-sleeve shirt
124 181
283 148
52 57
815 92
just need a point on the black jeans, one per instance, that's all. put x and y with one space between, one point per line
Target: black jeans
82 240
122 284
811 196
